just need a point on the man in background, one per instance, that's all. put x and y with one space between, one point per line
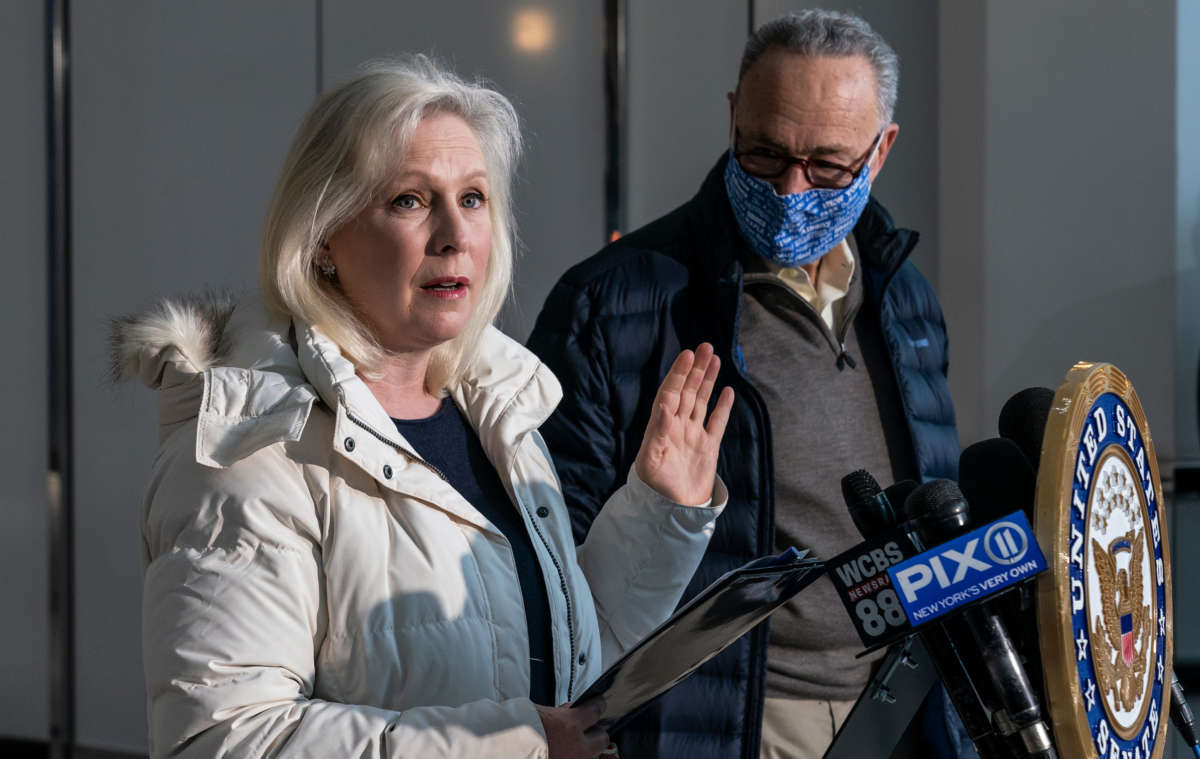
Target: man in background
835 346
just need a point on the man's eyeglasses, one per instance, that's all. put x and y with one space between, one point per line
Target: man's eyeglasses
766 164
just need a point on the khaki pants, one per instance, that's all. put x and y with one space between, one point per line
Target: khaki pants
800 728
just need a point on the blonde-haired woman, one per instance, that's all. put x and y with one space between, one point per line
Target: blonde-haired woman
354 539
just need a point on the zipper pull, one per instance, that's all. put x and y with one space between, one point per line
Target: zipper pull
844 359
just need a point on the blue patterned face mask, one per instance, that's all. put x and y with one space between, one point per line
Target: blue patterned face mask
796 229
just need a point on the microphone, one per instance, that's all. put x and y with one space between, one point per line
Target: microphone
874 512
897 493
1181 715
939 512
1023 421
997 479
870 510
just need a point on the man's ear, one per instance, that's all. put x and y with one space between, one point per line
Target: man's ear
732 98
885 146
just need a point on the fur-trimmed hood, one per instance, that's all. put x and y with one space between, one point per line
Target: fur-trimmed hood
250 378
193 326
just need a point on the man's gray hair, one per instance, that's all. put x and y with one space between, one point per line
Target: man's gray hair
817 32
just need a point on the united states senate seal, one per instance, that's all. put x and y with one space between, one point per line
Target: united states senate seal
1104 608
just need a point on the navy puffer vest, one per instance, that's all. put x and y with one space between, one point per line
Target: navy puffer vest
610 330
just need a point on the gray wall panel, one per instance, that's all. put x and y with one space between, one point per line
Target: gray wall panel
962 121
683 59
24 563
1060 255
558 92
183 112
908 184
1080 244
1187 358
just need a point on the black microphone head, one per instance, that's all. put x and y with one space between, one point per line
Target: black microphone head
937 510
871 512
997 479
1023 421
898 492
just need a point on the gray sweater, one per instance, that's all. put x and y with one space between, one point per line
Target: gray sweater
830 414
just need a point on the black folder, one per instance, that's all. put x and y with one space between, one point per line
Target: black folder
699 630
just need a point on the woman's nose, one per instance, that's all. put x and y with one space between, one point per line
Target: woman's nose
450 232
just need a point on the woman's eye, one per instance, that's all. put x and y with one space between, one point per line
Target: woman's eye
406 201
473 200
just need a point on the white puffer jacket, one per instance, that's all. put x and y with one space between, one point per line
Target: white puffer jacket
312 588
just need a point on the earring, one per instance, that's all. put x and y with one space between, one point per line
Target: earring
325 263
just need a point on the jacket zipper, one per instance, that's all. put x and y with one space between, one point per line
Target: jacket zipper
838 341
382 438
844 358
562 583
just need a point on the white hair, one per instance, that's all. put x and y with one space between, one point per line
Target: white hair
339 161
818 32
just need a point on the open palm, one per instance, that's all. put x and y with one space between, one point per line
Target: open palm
678 457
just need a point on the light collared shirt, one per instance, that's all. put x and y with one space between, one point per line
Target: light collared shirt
834 272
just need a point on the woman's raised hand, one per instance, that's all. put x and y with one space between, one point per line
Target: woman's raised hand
678 457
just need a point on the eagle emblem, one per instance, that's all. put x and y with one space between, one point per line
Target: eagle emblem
1120 632
1108 668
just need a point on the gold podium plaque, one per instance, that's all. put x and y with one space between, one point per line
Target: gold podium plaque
1104 606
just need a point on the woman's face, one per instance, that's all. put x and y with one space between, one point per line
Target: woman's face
413 262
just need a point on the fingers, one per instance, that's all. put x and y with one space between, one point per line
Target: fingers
695 377
688 386
720 415
668 397
705 390
589 712
595 741
571 731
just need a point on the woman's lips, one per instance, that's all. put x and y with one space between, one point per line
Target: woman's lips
447 288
